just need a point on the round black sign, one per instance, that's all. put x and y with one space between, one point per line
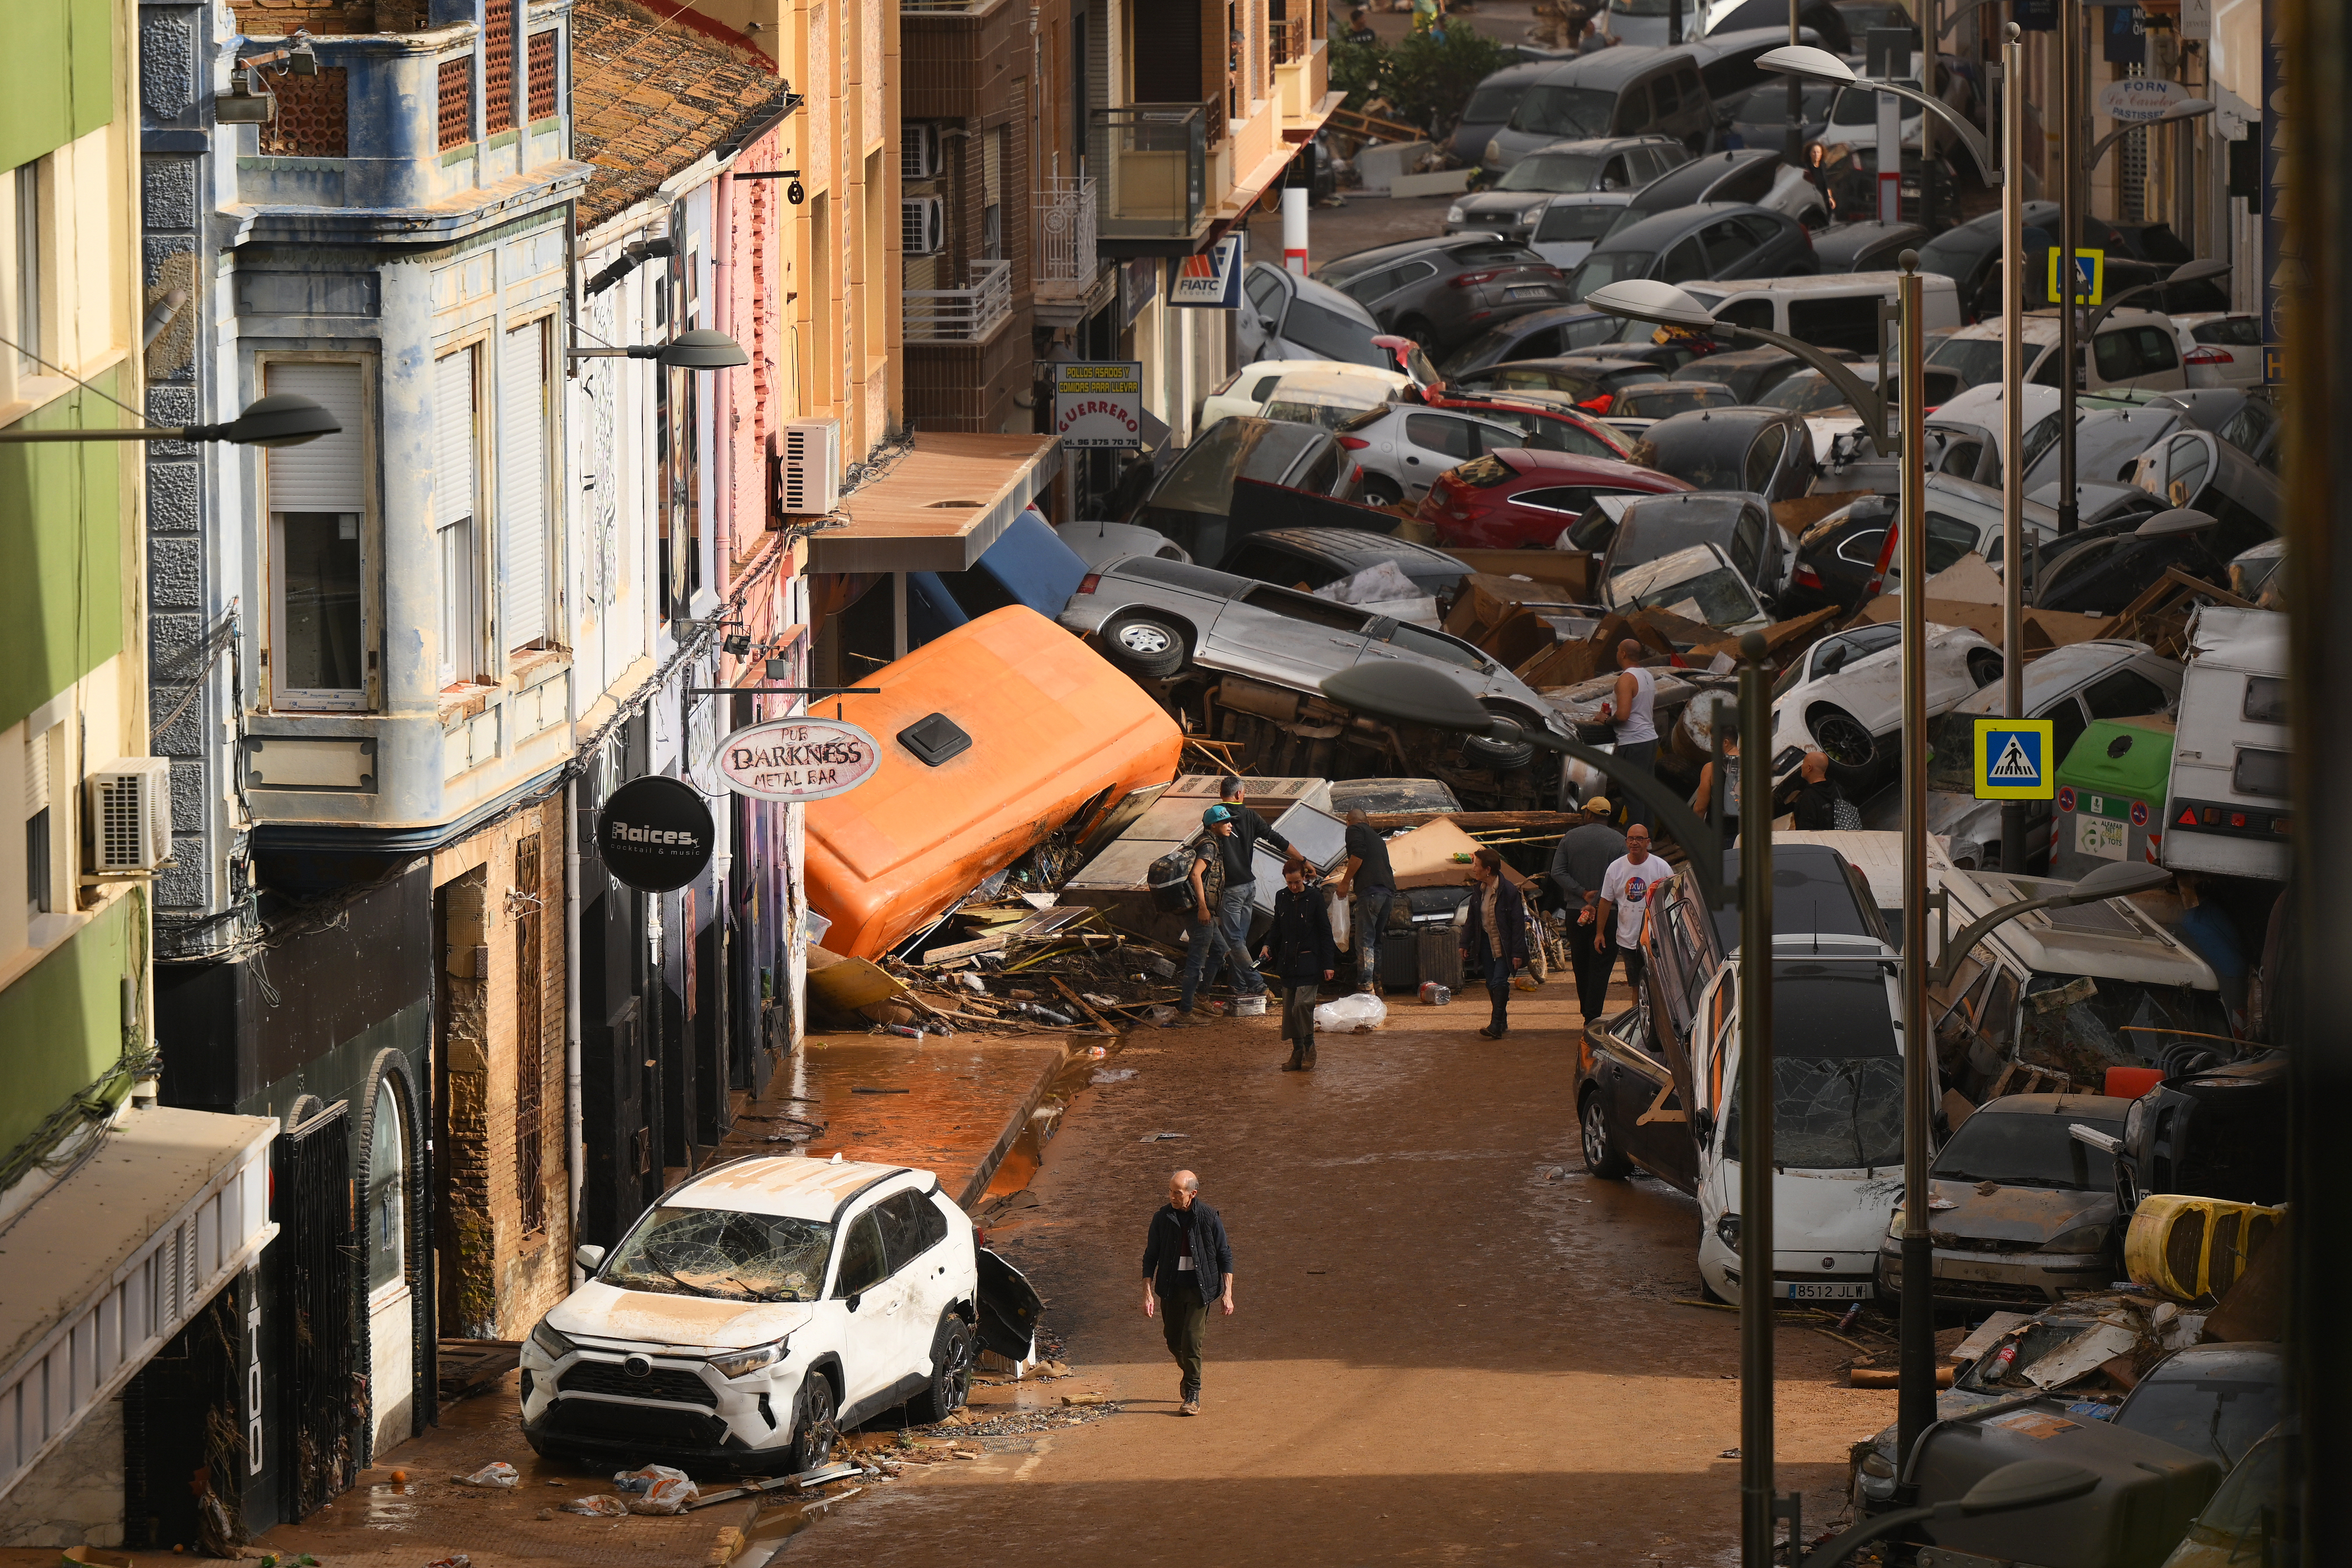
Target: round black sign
655 834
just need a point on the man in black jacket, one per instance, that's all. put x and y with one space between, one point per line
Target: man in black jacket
1300 941
1187 1264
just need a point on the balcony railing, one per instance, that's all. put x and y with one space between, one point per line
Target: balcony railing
1152 163
961 315
1288 38
1066 211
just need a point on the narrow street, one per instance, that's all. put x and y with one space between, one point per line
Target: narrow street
1442 1353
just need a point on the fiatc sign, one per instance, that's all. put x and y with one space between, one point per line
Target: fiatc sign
655 833
1098 405
797 759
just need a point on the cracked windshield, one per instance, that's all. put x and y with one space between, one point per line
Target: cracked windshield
1837 1076
719 1252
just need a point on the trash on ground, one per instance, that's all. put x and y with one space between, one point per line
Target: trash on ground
1112 1075
656 1488
455 1560
1355 1013
601 1506
498 1473
1082 1399
1433 995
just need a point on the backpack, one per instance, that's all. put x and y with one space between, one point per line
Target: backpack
1169 878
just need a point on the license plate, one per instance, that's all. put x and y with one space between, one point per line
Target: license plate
1530 292
2100 836
1822 1289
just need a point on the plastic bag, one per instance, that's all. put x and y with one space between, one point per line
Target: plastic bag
498 1473
664 1489
1341 910
1356 1012
1374 585
601 1506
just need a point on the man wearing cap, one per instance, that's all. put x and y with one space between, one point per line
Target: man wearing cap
1578 866
1234 829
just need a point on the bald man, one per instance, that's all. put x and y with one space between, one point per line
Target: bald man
1187 1264
1814 803
1631 710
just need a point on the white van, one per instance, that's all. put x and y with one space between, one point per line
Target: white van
2131 349
1828 310
2226 808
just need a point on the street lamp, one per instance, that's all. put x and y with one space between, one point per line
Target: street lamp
2187 272
1809 64
2116 880
698 349
2186 109
280 419
1415 694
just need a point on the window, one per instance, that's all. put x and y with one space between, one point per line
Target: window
1574 221
1431 645
1306 607
531 1039
2248 428
992 178
1764 457
2266 699
1372 285
26 326
1327 335
1753 311
1686 262
456 503
318 500
1614 175
911 1226
43 810
1565 111
1560 172
1570 500
1454 438
1272 564
2238 332
2038 440
526 391
1846 321
864 1263
1961 458
1748 542
2124 694
1726 244
386 1222
1668 95
2259 772
497 61
1265 289
2067 725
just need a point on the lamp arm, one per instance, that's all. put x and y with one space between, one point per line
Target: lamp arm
1868 402
1968 134
2114 299
173 434
1669 809
1948 963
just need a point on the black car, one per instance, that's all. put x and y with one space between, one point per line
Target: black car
1819 17
1489 109
2244 419
1539 334
2100 576
1737 176
1650 528
1193 502
1514 203
1318 557
1748 373
1767 450
1665 358
1587 379
1665 399
1870 247
1441 292
1970 254
1838 555
1711 241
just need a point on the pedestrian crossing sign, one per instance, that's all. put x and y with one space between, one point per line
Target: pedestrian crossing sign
2013 760
2090 276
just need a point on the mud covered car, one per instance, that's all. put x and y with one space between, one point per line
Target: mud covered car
759 1309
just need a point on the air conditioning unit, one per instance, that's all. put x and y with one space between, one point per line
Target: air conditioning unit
921 229
130 816
919 152
808 468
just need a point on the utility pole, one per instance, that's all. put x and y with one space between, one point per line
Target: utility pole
2012 380
1758 1499
2071 52
1796 102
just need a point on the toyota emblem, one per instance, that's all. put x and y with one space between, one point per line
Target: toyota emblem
638 1366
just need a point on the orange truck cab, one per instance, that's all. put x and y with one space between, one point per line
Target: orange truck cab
994 737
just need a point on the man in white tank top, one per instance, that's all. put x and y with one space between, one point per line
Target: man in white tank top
1636 725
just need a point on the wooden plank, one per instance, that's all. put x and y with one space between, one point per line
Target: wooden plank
1475 821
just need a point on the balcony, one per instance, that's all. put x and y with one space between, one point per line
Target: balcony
1287 37
1302 81
1152 163
1066 218
961 315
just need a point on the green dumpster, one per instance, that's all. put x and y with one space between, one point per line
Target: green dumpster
2111 790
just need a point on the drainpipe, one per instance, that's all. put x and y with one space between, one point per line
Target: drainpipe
575 1149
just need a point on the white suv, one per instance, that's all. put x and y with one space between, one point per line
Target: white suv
760 1308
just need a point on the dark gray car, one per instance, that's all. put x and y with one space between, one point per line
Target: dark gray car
1748 373
1712 240
1439 292
1320 557
1192 503
1872 247
1516 204
1769 451
1623 91
1737 176
1490 108
1650 528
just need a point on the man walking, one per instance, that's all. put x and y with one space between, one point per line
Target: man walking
1630 710
1624 894
1303 955
1187 1264
1204 943
1368 882
1578 864
1498 936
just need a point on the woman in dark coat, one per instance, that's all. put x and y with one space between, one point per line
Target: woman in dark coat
1497 938
1304 956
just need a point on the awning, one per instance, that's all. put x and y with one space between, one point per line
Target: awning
107 1265
939 507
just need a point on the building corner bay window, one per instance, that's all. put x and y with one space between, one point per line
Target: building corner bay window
317 495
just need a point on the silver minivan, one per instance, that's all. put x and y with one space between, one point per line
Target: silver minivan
1284 316
1623 91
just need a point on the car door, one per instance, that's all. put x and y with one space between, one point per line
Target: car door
871 1357
1259 325
1286 637
1763 465
912 1231
1616 174
1430 442
1684 262
1727 244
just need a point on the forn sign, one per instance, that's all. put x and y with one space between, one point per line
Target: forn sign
797 759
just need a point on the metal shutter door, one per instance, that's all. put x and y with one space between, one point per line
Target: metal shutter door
327 474
522 477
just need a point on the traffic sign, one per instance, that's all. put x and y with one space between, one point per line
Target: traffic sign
2273 364
2014 758
2091 282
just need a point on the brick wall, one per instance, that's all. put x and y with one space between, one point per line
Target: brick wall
505 1275
267 18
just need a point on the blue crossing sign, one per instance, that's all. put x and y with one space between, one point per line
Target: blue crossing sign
2013 760
2090 276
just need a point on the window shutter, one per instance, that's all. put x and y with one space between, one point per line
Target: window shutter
327 474
455 483
523 475
36 773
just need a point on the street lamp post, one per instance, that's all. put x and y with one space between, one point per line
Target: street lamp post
282 419
1416 694
1914 1396
2012 416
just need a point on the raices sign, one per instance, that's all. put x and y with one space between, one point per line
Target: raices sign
797 759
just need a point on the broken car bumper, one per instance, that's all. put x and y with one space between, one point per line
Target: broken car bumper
2028 1279
591 1403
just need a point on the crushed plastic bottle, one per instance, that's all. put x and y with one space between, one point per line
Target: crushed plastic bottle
1433 995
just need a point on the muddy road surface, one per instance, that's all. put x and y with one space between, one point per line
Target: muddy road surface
1452 1345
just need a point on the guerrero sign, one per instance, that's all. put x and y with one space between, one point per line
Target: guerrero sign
797 759
1098 405
655 834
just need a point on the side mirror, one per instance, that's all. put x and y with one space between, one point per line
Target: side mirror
1264 324
855 1297
589 1257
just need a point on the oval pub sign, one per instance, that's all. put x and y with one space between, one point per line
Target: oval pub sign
655 834
805 758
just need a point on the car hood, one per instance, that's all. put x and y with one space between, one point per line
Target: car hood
1827 1211
2013 1214
696 1323
1503 201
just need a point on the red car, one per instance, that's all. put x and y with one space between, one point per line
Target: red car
1515 499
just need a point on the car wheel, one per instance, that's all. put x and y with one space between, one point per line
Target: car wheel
815 1432
1380 491
951 1382
1502 755
1848 742
1984 666
1601 1155
1145 647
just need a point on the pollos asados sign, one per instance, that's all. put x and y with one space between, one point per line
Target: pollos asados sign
797 759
